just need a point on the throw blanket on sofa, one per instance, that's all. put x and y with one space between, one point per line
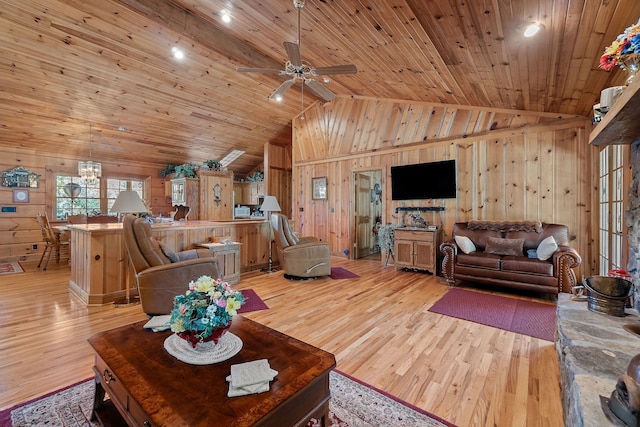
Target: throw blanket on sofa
505 226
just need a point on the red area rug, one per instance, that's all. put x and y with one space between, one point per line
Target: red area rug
253 303
342 273
525 317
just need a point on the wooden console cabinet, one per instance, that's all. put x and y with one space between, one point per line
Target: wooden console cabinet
417 248
228 257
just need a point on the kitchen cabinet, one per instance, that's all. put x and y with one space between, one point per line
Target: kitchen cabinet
216 196
417 248
185 192
248 193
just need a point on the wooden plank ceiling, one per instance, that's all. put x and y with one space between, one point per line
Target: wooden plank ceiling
66 64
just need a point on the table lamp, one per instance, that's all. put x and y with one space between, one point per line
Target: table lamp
270 204
128 201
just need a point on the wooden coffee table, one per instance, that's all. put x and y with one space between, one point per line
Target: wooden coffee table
149 387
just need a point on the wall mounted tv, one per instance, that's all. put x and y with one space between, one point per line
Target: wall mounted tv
434 180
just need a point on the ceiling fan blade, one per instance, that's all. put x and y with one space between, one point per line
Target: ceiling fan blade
282 88
319 89
258 70
293 52
336 69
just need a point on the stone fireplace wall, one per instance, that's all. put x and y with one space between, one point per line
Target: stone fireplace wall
632 218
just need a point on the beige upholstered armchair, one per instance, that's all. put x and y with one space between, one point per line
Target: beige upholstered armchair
300 257
162 274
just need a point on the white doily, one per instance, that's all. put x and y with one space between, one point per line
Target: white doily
205 353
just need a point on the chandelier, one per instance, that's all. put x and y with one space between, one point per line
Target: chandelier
90 170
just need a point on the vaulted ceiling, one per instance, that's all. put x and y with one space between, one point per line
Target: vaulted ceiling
70 65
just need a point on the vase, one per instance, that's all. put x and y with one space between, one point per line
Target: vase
631 64
192 336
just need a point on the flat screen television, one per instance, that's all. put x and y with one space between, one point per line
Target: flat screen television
434 180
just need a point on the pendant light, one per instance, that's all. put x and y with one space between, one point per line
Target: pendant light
90 170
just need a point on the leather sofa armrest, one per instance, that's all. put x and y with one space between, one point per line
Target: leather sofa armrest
564 260
449 252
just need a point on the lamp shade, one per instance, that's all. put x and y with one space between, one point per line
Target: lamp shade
128 201
270 204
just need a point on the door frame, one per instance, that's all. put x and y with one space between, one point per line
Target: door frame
377 177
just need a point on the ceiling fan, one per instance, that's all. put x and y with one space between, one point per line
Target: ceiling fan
300 71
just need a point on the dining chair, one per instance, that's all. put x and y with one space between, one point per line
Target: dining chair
54 240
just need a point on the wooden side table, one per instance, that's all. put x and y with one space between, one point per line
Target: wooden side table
228 257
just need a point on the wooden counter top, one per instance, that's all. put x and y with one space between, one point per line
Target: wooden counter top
99 259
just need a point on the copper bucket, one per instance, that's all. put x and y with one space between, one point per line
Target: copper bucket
607 294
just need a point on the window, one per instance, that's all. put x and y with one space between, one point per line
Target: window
114 186
611 207
75 195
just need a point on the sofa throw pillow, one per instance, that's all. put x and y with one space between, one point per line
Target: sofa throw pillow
546 248
169 253
465 244
500 246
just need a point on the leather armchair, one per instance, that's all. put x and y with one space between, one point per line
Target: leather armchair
159 279
305 257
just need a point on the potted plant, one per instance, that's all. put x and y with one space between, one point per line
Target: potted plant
205 311
171 168
213 164
386 240
256 176
187 170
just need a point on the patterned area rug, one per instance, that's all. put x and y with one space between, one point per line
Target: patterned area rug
11 268
342 273
353 404
525 317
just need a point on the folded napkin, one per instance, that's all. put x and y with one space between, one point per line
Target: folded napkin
250 377
158 323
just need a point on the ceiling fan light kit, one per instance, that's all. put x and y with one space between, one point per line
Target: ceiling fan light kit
301 72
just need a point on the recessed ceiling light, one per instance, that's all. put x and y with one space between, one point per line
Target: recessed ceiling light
278 98
177 52
225 16
531 29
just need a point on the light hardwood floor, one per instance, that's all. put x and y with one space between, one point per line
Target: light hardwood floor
377 326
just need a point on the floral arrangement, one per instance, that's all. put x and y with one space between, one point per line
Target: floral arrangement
626 46
208 305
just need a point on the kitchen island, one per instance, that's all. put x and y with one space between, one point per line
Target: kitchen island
99 259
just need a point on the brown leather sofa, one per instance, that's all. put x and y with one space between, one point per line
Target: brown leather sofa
300 257
162 274
519 271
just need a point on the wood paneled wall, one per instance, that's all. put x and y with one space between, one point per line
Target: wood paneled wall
19 231
512 165
277 163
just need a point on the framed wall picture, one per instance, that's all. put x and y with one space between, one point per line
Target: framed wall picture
21 196
319 188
